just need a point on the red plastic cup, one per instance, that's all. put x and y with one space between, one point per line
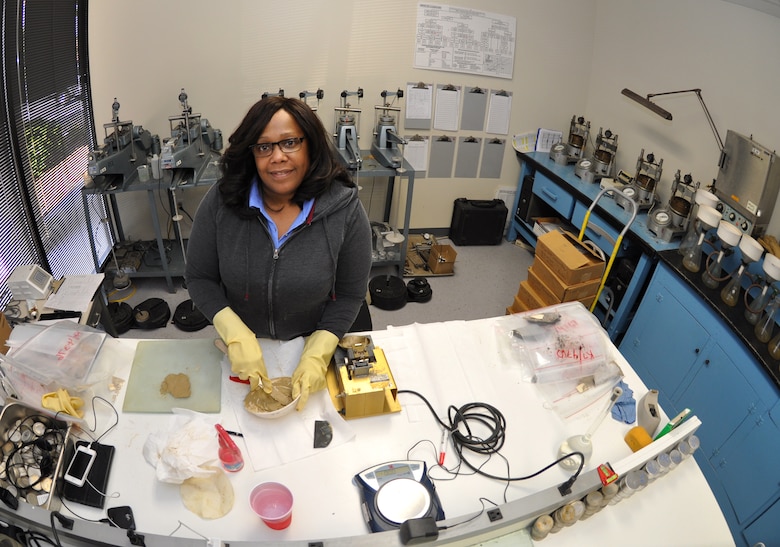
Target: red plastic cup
273 503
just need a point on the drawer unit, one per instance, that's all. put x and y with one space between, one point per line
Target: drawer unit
558 198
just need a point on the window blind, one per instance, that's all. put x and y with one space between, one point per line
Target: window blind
45 140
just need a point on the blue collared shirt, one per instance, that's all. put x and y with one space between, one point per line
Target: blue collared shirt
256 200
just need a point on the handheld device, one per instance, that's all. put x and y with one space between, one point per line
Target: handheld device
92 489
80 465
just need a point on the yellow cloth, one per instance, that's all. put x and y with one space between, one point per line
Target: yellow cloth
309 375
62 401
244 353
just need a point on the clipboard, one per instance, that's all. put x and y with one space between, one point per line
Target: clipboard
468 157
472 117
446 109
416 153
419 105
492 158
499 112
442 156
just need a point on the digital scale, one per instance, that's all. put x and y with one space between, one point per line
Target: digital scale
394 492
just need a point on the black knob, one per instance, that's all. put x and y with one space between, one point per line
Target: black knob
688 178
651 158
732 216
719 207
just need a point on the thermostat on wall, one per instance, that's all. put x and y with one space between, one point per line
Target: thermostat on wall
30 282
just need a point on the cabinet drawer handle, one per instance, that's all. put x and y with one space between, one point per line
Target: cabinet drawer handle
707 362
696 351
553 196
659 297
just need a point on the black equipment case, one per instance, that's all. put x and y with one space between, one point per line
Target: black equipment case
477 222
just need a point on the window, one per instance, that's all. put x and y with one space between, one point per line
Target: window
46 135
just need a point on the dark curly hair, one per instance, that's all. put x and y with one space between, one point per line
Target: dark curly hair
238 163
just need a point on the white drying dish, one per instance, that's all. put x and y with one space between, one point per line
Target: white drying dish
274 414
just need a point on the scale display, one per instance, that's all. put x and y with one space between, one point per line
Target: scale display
394 492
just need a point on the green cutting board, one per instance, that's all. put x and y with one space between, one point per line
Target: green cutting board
155 359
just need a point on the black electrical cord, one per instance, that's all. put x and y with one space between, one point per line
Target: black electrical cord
491 418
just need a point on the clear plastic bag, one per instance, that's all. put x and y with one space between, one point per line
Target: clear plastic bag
58 356
560 343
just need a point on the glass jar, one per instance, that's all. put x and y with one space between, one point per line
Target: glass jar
766 325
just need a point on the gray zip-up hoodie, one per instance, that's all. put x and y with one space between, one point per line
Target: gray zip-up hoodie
316 280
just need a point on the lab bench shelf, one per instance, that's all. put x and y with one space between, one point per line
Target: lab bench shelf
170 251
371 168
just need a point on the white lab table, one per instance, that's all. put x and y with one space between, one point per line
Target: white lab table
450 363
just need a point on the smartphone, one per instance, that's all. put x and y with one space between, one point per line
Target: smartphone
80 465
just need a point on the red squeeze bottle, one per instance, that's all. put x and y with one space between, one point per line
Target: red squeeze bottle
229 453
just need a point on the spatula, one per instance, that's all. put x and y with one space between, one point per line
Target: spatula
275 393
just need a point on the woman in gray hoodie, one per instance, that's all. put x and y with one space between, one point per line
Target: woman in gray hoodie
280 247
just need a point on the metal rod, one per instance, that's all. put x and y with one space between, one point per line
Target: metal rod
645 101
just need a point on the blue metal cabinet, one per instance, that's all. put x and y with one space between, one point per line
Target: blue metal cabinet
720 389
679 345
560 199
747 466
664 340
765 530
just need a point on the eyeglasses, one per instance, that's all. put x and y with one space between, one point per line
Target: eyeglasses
288 146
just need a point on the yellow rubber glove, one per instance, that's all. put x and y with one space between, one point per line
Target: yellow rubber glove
244 353
61 401
309 375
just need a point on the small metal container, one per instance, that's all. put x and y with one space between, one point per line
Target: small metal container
39 457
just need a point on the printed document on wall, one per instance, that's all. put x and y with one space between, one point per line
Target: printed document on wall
471 41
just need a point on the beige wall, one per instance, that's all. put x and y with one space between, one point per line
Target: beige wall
572 58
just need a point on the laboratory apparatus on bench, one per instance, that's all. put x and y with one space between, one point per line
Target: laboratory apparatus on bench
602 164
573 150
267 94
641 190
394 492
386 138
700 197
359 381
766 326
753 310
583 443
125 148
319 95
751 251
747 184
729 236
347 134
706 219
672 220
192 140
